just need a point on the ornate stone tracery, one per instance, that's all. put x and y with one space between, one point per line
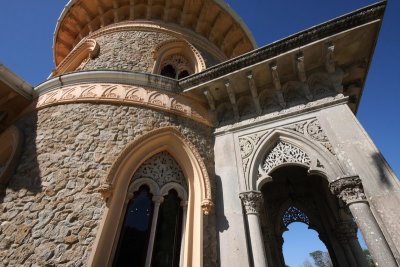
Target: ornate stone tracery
247 145
163 169
282 153
293 214
349 189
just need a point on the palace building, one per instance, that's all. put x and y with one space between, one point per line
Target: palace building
164 137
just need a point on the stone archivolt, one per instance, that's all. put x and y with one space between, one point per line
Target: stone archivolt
127 94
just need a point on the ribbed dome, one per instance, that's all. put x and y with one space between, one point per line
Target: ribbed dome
213 20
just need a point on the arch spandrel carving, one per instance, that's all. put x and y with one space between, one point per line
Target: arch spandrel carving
294 148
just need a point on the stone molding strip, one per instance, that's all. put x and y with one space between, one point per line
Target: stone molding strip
106 76
126 94
342 23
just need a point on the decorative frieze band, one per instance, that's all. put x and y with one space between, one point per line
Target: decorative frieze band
252 201
349 189
126 94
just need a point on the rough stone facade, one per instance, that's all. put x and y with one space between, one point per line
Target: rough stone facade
132 51
127 50
50 211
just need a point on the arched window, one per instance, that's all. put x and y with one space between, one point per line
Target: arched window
176 67
177 59
152 233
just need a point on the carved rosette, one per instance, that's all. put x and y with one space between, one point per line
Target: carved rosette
313 130
247 145
252 201
349 189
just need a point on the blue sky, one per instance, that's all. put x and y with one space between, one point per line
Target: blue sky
26 48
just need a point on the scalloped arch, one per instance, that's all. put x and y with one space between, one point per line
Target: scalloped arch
317 153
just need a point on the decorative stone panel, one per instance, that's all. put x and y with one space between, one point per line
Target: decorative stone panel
282 153
313 130
163 169
126 94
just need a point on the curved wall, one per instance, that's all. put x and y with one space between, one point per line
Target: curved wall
51 210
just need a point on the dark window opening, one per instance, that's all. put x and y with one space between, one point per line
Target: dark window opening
135 232
183 74
169 71
167 243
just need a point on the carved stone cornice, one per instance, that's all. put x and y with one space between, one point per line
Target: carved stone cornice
354 19
274 116
126 94
252 201
349 189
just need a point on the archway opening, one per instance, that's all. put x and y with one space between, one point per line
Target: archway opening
295 196
299 243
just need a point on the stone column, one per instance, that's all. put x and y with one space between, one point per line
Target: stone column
252 203
350 190
347 231
157 202
341 234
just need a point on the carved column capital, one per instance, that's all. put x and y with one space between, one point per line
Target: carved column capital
349 189
252 201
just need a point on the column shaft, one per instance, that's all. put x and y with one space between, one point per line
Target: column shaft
257 244
157 202
376 242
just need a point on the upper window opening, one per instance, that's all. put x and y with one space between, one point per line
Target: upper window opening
177 59
168 71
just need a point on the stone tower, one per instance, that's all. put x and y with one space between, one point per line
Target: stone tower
165 138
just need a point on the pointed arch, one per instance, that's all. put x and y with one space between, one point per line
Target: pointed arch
120 177
321 161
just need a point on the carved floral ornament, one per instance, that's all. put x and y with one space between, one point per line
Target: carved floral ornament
284 152
127 94
349 189
252 201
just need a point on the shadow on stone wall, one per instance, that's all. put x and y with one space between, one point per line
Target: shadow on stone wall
26 178
223 223
383 168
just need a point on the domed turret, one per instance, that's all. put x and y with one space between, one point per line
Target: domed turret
146 36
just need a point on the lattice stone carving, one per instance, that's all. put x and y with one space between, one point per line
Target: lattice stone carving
284 153
163 169
293 214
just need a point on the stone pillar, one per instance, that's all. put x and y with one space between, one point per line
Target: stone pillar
347 232
252 203
157 202
350 190
341 234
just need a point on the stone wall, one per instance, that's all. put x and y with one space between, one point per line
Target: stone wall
50 211
132 51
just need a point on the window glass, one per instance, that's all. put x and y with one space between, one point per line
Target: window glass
169 232
134 238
